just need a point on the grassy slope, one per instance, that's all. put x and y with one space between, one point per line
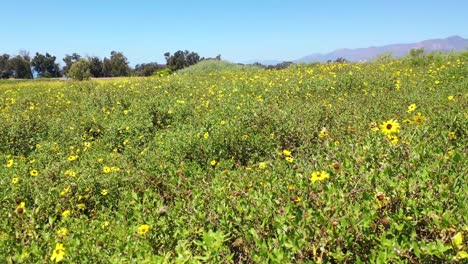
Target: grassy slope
199 158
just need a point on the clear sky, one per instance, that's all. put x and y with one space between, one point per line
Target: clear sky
239 30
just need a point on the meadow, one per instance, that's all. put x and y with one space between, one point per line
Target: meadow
319 163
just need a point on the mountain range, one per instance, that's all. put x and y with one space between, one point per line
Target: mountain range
453 43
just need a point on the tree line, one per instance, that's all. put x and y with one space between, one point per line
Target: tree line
24 66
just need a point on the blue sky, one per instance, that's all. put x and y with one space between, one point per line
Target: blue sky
239 30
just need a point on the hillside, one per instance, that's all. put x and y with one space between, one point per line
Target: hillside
316 163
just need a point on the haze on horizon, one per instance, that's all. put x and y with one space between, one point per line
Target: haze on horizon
238 30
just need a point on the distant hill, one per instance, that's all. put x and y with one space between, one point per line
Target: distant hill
453 43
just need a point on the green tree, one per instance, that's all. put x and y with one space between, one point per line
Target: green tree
69 60
181 59
5 68
148 69
95 67
116 66
80 70
106 67
21 66
45 66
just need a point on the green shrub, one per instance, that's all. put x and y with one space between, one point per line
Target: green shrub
80 71
163 72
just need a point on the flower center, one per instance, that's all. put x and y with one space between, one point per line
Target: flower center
389 126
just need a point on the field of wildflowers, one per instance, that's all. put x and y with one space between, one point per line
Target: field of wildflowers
333 163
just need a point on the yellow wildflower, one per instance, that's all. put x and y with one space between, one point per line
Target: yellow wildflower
24 255
319 176
21 209
411 108
407 121
262 165
419 119
323 133
65 191
143 229
393 139
390 127
452 135
70 173
106 169
105 224
66 213
62 232
58 253
72 157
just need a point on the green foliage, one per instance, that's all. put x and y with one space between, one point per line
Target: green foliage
20 66
6 70
45 66
80 70
181 59
95 67
148 69
216 166
69 61
116 66
384 57
162 73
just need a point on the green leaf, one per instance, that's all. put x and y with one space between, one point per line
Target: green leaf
457 158
134 195
254 234
457 239
462 255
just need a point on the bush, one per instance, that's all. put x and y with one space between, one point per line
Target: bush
163 72
80 71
